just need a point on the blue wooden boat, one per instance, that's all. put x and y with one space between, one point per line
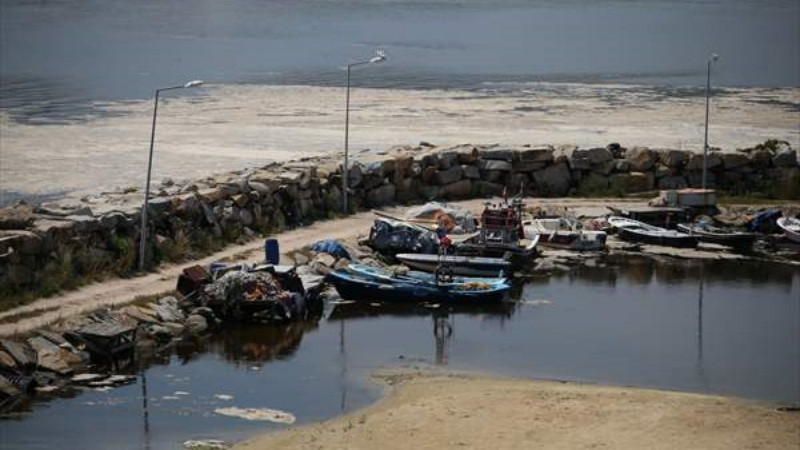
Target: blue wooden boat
359 282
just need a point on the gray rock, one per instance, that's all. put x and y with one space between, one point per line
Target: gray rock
672 182
428 174
696 161
633 182
640 159
495 164
734 160
604 168
554 180
467 154
7 361
325 259
167 309
492 176
355 175
498 154
673 158
695 179
16 217
196 324
448 176
380 196
621 165
447 158
760 159
598 155
459 189
662 171
470 172
487 189
785 158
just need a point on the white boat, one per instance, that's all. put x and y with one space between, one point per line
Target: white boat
790 227
635 231
470 266
564 233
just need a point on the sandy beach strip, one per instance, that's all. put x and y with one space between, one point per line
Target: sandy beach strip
434 410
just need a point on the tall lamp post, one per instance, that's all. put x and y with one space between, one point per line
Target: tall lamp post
712 59
143 237
378 58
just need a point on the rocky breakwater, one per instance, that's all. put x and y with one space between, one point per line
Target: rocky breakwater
59 245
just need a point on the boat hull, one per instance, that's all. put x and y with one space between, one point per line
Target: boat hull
361 287
791 228
736 240
656 238
461 265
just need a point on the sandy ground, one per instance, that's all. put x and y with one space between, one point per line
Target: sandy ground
449 411
229 127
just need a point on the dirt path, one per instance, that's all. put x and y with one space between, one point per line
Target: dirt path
442 411
118 291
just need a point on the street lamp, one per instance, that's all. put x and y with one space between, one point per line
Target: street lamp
712 59
143 237
377 59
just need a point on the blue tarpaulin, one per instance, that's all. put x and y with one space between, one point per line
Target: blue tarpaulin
764 219
330 246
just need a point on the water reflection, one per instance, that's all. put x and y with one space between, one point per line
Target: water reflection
727 328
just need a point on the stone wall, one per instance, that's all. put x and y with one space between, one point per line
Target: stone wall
60 245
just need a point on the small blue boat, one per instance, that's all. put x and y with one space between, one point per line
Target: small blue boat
359 282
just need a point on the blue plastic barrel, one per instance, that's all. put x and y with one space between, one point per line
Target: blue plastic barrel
272 254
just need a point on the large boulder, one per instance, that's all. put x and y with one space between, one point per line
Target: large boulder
531 159
673 158
447 158
577 158
448 176
16 217
470 171
498 154
640 159
734 160
355 175
459 189
696 161
785 158
598 155
672 182
487 189
760 159
553 181
467 154
495 164
788 183
382 195
633 182
605 167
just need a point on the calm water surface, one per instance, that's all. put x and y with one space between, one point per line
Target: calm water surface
721 328
61 56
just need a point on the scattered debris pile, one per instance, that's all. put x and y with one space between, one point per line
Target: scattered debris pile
256 295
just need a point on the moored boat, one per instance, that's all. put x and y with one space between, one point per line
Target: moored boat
471 266
359 282
564 233
635 231
706 232
790 227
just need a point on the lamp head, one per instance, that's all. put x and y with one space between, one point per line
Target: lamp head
380 57
714 57
193 83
